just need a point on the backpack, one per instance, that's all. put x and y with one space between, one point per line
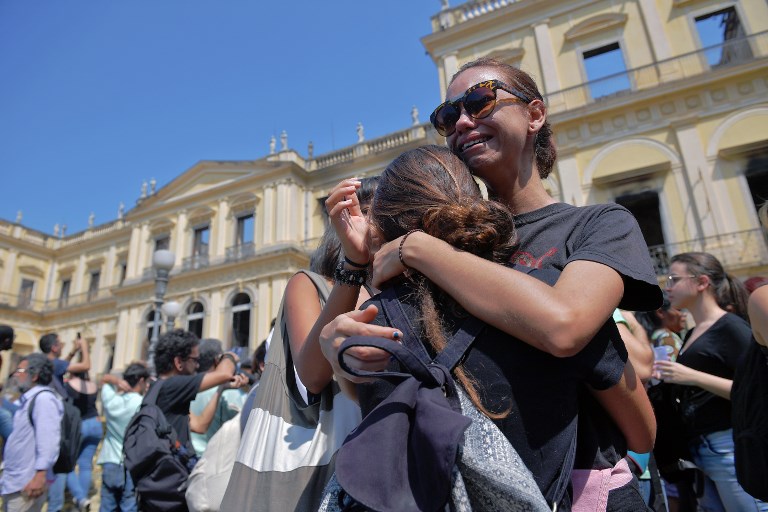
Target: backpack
750 421
155 457
69 444
429 447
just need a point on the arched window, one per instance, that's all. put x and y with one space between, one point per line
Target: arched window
195 316
241 319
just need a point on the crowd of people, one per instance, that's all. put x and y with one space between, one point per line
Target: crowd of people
501 351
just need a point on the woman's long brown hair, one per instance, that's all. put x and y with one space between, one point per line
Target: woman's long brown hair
430 188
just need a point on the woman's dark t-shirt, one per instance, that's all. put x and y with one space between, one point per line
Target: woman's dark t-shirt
539 390
558 234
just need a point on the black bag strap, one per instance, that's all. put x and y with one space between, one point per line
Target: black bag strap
154 391
32 404
414 356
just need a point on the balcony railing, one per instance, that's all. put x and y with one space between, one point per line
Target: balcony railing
240 252
89 297
195 262
734 250
730 53
17 301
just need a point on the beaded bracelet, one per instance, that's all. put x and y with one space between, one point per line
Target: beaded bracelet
354 264
348 277
402 243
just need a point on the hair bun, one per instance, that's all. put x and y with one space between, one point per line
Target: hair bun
484 228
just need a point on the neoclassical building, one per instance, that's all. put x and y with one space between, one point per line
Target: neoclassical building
659 105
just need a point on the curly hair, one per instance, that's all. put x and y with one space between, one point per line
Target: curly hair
171 344
430 188
544 146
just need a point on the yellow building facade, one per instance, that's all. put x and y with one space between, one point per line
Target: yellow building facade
659 105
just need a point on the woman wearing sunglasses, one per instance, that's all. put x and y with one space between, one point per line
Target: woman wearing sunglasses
705 369
496 122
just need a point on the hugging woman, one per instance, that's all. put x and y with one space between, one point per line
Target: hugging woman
496 121
530 396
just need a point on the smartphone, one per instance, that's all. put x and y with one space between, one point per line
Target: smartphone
78 335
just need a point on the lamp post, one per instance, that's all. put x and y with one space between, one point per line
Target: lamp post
171 309
162 261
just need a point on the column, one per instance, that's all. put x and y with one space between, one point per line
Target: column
223 226
214 313
570 181
268 219
109 271
180 236
133 269
145 248
697 175
658 39
8 271
547 60
77 284
450 67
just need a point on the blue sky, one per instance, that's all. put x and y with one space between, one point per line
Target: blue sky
97 96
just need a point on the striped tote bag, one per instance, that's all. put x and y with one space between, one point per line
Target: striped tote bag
288 448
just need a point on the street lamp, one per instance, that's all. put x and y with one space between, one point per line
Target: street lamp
171 309
162 261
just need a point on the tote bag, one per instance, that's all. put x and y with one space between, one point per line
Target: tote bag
288 448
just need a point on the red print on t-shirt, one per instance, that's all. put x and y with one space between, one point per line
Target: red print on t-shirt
527 259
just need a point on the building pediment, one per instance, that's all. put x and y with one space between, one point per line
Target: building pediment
199 181
595 25
31 270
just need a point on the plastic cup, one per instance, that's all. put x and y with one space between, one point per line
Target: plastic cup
660 354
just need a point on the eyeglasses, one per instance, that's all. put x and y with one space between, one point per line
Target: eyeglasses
479 101
672 280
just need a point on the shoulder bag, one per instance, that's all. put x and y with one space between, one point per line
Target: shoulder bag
288 448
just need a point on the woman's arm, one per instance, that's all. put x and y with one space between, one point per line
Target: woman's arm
629 407
638 346
304 321
559 320
304 317
199 424
681 374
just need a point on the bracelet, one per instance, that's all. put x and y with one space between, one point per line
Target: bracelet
353 264
347 277
402 243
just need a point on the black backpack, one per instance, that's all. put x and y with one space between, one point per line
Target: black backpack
155 458
750 421
69 444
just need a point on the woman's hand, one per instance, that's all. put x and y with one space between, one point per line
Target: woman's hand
386 261
348 220
355 323
675 373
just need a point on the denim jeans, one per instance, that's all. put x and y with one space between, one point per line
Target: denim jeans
79 480
56 493
91 431
116 489
713 454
